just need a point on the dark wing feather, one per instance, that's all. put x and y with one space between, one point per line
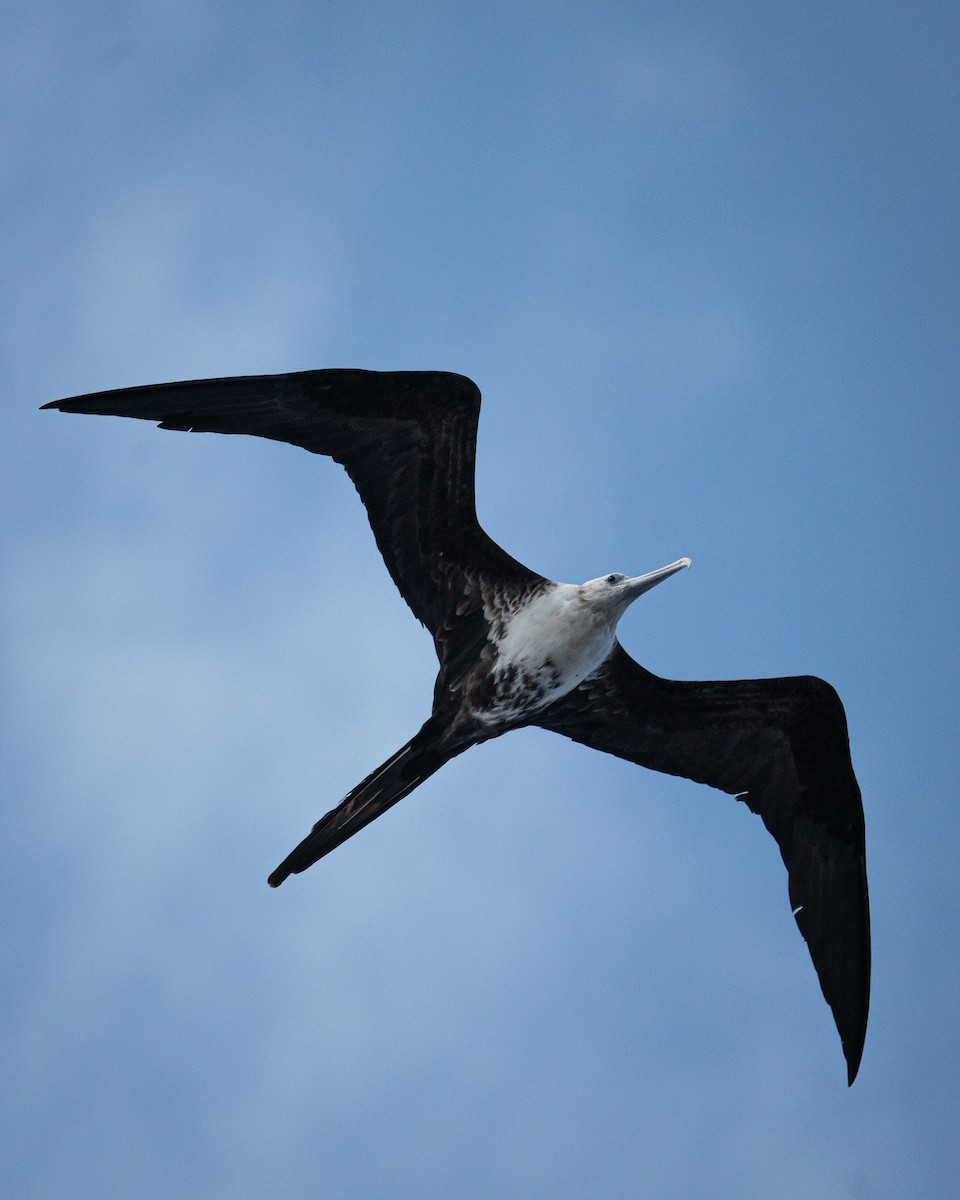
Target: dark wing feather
781 746
407 440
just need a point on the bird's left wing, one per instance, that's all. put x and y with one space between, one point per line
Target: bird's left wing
781 746
407 440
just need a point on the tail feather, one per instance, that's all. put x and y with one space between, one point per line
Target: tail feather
390 782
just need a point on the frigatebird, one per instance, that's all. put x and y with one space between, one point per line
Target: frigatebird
518 649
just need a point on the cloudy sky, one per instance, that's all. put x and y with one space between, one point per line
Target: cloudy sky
703 263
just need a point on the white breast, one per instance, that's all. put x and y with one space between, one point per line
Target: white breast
547 648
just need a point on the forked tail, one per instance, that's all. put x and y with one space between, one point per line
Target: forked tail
397 777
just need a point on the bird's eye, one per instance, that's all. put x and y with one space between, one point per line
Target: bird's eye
614 579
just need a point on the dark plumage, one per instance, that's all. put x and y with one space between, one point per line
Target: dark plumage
518 649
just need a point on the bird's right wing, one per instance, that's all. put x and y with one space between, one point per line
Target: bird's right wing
781 746
407 440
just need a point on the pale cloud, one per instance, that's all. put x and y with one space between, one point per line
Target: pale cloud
682 79
165 247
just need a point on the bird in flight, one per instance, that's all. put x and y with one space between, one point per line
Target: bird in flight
517 649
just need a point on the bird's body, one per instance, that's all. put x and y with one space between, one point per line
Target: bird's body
544 647
541 651
517 649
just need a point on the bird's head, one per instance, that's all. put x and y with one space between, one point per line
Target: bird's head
614 593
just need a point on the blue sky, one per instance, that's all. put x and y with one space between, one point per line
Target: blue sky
703 264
